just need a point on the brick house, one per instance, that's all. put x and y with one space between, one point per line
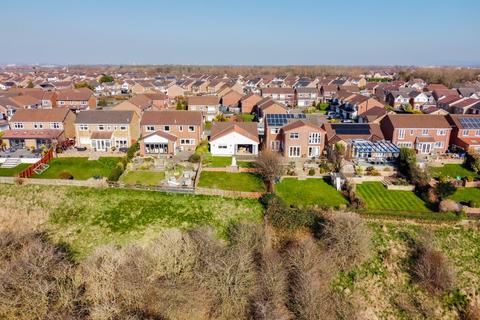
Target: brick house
102 130
33 128
427 134
166 132
248 102
306 96
465 131
208 105
285 96
76 99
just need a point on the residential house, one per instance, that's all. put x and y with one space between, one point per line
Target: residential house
34 128
285 96
306 96
328 91
421 100
294 136
167 132
427 134
101 130
175 91
10 104
463 105
356 105
76 99
248 102
231 99
234 138
268 106
465 131
208 105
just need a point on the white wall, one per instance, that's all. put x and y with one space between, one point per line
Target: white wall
231 140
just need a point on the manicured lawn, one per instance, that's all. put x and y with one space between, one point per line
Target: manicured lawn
377 197
309 192
464 195
452 170
11 172
80 168
222 162
85 218
146 178
248 182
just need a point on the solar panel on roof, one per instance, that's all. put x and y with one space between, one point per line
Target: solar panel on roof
351 128
470 123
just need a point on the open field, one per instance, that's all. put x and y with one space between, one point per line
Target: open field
84 218
452 170
79 168
309 192
146 178
247 182
10 172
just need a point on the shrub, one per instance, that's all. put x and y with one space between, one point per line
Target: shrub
371 171
449 205
283 217
194 158
65 175
473 203
444 189
430 267
311 172
132 151
407 160
472 161
116 173
347 239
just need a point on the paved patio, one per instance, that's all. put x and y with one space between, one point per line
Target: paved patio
19 153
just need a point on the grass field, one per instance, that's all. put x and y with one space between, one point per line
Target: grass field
309 192
80 168
464 195
248 182
10 172
452 170
379 198
146 178
222 162
84 218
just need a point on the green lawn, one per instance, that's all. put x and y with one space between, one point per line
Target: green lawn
146 178
248 182
464 195
80 168
452 170
309 192
247 117
11 172
377 197
85 218
222 162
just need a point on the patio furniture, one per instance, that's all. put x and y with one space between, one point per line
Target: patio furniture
81 148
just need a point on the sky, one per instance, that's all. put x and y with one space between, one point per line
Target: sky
241 32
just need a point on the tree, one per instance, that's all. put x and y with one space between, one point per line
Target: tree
338 156
102 103
106 78
444 189
407 160
472 161
269 166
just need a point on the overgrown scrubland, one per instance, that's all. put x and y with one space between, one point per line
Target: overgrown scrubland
296 264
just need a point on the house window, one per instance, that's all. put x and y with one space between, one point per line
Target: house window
109 128
294 152
121 142
439 144
477 133
405 144
123 128
191 128
464 133
222 146
412 132
83 127
55 125
101 127
18 125
274 130
294 135
424 132
166 128
38 125
275 145
314 138
401 134
441 132
187 141
150 128
180 128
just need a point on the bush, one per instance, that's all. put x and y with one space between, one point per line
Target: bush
371 171
311 172
132 151
444 189
472 161
431 268
449 205
283 217
473 203
116 173
65 175
194 158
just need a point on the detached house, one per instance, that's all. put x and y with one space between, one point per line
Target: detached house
167 132
208 105
234 138
102 130
248 102
294 136
76 99
465 131
30 128
307 96
285 96
427 134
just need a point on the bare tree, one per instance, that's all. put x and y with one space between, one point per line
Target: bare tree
269 166
338 155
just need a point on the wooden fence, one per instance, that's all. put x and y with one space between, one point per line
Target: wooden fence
28 172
